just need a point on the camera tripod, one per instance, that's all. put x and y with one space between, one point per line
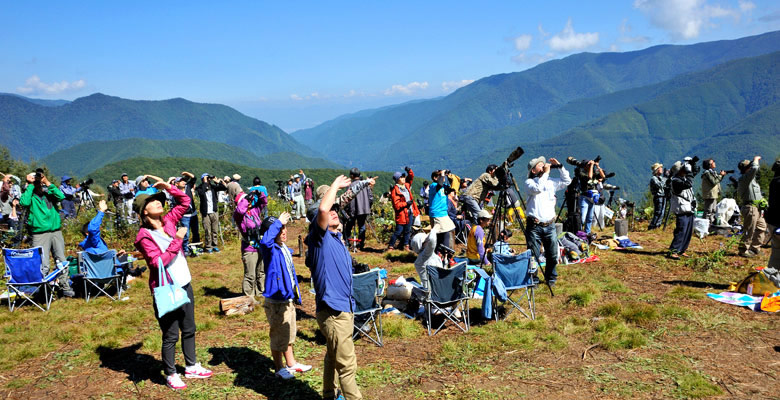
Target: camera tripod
87 201
504 202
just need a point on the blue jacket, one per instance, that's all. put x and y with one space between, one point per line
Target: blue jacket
93 243
277 282
437 201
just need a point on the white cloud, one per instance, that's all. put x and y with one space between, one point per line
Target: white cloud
542 32
523 42
625 37
295 97
614 48
746 6
567 40
452 85
685 19
406 89
34 86
532 58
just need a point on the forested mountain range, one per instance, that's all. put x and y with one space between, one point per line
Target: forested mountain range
31 130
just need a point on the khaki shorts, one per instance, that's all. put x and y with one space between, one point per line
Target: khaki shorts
281 318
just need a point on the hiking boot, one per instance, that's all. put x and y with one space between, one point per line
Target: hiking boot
197 372
285 373
298 367
174 382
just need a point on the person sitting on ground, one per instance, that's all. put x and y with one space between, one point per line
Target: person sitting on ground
209 206
142 184
405 208
283 292
424 245
502 244
69 202
683 205
478 191
159 240
475 247
247 217
41 198
753 224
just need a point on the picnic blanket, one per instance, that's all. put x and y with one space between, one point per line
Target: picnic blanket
738 299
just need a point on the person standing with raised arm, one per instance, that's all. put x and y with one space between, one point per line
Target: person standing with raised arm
540 215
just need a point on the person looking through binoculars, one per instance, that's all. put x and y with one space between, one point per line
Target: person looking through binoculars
540 213
710 188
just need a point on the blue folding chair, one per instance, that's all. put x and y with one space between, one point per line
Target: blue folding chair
25 279
449 296
367 289
97 271
517 273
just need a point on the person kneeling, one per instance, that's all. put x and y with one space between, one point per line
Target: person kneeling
281 292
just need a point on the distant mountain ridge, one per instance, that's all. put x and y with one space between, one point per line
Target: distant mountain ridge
31 130
86 157
431 133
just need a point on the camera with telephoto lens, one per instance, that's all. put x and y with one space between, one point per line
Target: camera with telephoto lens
581 163
503 174
729 171
85 185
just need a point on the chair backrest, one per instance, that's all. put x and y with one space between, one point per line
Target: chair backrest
514 270
23 266
97 266
365 288
447 283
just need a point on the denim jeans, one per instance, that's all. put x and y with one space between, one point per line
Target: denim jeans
185 222
402 232
586 212
537 236
659 204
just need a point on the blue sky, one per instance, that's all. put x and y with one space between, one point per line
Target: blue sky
297 64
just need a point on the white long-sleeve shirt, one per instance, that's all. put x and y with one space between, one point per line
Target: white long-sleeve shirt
541 194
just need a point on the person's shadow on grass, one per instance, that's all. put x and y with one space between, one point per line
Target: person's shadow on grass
138 367
255 371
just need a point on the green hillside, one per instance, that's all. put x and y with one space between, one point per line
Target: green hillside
32 130
427 130
173 166
87 157
730 116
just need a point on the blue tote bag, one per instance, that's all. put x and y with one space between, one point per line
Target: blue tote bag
168 295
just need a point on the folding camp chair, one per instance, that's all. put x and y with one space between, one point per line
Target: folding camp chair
367 289
25 279
462 232
98 270
448 295
517 273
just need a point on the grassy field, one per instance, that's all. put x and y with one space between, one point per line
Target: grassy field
633 325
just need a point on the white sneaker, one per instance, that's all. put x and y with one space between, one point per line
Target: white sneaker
197 372
285 373
298 367
175 382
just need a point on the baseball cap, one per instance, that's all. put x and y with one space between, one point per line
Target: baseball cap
397 175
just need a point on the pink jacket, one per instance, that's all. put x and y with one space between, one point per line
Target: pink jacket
148 247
